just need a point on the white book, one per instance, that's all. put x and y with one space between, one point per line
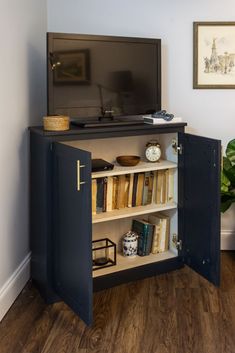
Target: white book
109 196
170 186
162 223
155 121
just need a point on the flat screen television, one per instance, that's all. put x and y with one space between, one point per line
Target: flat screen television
91 77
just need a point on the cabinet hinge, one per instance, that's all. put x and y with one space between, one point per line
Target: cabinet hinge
178 243
214 159
177 148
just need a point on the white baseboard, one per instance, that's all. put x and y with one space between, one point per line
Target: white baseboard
14 285
227 240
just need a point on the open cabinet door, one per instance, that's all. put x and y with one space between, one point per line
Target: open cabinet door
72 232
199 204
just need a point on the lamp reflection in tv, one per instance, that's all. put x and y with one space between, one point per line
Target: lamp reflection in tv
121 83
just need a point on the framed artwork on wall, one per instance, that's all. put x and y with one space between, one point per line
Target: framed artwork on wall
214 55
72 67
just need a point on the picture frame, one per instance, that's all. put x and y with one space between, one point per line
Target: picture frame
72 67
213 55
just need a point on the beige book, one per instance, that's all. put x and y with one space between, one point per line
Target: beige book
162 224
159 187
126 192
139 190
121 191
171 186
115 192
165 232
154 191
130 191
93 195
156 236
109 196
156 221
167 184
163 194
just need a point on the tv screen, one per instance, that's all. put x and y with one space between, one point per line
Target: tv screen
100 76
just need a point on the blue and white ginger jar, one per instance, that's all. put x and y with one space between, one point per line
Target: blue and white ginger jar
130 244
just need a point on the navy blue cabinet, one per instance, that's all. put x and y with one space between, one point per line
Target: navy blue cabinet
62 237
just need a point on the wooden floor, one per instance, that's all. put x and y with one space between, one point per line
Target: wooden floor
178 312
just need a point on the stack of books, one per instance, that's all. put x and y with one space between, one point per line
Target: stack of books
131 190
153 234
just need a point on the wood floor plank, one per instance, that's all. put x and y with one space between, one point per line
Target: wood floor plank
66 330
15 327
177 312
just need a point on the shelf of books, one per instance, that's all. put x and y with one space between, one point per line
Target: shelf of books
132 211
125 263
133 191
139 241
139 168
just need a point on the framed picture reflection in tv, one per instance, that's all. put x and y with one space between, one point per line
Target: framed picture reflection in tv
72 67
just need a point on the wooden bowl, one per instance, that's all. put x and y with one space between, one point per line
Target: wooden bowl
128 161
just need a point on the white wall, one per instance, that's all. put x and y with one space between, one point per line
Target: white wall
22 103
208 112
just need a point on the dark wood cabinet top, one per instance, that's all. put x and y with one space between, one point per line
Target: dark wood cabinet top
109 131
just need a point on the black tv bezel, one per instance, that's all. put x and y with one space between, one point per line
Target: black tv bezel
51 36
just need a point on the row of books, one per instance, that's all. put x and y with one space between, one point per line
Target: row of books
130 190
153 234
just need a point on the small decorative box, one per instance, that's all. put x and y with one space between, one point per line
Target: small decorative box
56 123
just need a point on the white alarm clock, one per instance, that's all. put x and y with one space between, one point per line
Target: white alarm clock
153 151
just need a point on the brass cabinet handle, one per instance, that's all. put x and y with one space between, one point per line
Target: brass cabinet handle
79 166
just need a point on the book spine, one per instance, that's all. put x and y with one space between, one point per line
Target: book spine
144 232
162 235
150 188
121 191
149 238
138 228
171 186
105 181
139 191
158 187
134 189
126 192
146 188
163 200
161 187
109 196
154 191
155 242
114 195
100 195
94 195
130 191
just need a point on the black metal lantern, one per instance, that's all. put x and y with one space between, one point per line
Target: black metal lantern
103 253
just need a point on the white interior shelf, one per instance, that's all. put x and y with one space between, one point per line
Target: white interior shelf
141 167
124 263
131 211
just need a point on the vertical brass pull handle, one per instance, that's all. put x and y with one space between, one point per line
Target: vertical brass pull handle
79 166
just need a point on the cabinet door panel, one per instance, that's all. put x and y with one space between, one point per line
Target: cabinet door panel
72 228
199 204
